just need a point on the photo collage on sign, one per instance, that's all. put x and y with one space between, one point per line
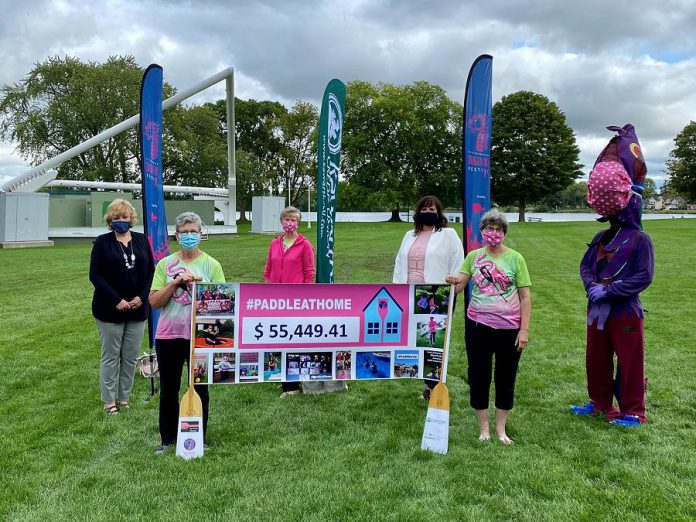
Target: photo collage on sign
309 366
430 308
216 359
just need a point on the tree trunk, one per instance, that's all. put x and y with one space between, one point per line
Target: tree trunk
522 207
395 218
241 207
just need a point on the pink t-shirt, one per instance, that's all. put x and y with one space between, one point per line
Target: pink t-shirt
416 257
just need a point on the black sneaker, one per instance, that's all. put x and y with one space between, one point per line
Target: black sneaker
163 449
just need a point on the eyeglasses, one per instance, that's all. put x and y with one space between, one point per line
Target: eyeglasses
493 228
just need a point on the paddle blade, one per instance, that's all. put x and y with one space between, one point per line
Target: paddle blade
436 430
439 397
189 441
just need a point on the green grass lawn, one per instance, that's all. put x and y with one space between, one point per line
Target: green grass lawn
353 455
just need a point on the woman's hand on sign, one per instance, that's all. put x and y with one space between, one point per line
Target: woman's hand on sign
459 281
187 277
452 279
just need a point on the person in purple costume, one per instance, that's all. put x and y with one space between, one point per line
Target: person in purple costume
617 267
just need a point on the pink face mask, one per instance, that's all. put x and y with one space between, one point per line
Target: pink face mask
493 239
289 226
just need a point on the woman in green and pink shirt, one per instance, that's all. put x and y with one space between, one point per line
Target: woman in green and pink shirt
497 322
171 292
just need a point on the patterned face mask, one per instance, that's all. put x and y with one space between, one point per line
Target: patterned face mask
609 188
289 226
492 239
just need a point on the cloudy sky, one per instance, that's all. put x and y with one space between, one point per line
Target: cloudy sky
603 62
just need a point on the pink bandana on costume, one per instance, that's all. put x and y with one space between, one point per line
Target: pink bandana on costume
609 188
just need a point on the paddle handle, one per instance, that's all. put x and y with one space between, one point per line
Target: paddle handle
194 293
450 306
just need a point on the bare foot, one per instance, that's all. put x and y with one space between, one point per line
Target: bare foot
505 439
484 437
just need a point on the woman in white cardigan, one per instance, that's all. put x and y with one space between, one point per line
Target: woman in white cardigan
428 253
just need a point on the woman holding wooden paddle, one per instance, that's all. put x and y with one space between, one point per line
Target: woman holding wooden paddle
497 321
171 291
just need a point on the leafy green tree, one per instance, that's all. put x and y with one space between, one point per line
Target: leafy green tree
257 125
275 148
356 197
401 142
670 191
533 150
650 189
681 166
298 138
194 152
257 145
63 102
574 196
249 170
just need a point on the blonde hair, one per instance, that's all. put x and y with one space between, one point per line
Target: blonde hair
116 208
291 212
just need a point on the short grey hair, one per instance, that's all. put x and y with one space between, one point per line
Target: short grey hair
291 212
188 217
496 218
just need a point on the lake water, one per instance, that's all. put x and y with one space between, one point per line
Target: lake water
550 217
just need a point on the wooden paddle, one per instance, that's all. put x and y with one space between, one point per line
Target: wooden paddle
436 430
189 441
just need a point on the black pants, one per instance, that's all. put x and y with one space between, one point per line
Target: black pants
482 343
289 386
171 356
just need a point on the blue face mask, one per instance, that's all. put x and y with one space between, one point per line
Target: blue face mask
120 226
189 240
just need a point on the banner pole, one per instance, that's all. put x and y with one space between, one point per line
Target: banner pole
476 153
151 172
328 167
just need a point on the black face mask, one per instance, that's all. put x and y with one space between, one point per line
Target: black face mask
427 218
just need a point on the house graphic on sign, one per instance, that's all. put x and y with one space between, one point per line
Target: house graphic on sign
382 319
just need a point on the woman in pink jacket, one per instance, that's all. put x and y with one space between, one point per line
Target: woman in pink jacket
291 255
290 260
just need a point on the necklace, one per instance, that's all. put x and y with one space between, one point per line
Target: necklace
126 257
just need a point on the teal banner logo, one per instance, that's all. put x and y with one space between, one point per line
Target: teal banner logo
328 169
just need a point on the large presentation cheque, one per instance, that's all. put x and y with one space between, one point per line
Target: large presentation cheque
247 332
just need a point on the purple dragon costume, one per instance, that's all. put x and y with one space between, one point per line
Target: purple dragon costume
618 265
